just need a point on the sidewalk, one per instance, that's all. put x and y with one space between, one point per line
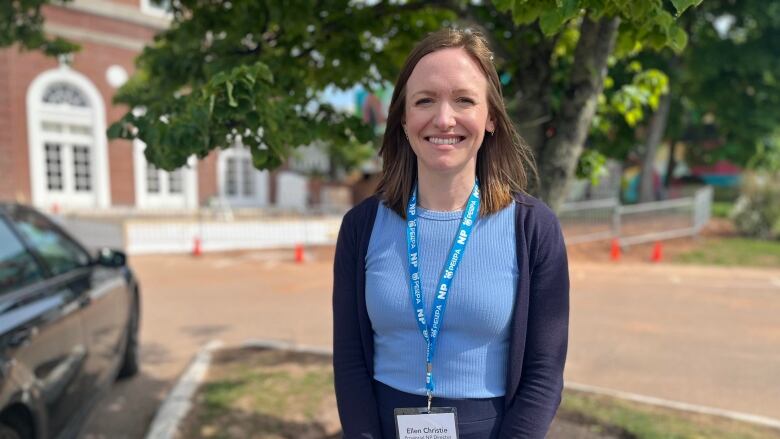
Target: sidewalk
702 335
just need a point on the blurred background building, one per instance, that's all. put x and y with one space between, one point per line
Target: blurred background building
54 153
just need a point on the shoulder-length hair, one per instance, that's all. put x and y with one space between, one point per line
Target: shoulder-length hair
504 161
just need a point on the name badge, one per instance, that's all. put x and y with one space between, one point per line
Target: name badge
419 423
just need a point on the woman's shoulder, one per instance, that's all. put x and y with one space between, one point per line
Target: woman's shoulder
532 209
363 212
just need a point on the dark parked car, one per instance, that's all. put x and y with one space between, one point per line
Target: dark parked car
68 326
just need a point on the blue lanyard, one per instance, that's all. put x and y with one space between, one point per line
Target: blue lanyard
431 331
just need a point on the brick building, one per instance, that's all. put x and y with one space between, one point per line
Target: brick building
54 153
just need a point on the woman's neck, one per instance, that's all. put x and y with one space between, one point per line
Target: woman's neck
444 193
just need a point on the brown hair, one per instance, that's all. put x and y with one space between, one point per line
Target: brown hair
504 161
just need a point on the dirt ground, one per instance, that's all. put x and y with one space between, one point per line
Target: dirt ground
701 335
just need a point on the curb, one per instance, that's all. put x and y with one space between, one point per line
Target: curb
286 345
179 400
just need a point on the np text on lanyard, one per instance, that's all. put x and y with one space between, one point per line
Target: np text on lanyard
430 330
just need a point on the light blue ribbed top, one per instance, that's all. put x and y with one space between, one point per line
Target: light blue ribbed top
472 349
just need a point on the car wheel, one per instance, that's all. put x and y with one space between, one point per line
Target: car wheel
7 432
130 357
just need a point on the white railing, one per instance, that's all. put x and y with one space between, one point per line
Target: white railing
584 221
589 221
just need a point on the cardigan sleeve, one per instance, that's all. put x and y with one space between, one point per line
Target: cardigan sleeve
354 385
541 383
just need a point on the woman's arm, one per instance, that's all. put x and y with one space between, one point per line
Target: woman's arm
354 385
541 382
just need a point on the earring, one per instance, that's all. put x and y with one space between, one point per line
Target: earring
492 132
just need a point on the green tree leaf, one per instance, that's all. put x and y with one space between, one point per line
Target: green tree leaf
682 5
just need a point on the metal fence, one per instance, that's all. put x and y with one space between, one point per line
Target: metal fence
589 221
583 221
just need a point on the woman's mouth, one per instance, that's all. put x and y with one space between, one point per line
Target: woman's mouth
445 140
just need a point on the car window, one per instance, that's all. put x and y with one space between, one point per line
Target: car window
17 265
58 252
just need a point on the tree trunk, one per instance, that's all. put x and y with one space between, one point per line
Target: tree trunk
534 107
671 164
558 158
655 133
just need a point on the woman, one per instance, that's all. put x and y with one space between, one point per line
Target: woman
450 229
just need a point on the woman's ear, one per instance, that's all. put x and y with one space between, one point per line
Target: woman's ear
490 126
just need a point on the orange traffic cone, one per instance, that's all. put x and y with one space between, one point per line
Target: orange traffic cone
657 254
196 247
615 251
299 253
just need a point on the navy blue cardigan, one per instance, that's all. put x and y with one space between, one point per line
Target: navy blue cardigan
539 331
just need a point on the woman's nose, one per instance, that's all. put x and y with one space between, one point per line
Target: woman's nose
445 117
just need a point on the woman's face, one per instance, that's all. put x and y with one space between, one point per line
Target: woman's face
446 112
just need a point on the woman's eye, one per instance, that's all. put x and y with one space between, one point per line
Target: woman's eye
423 101
466 101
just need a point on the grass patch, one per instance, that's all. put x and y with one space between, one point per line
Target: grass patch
722 209
262 393
266 394
643 421
734 252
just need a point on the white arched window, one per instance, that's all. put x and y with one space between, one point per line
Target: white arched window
240 183
158 189
67 142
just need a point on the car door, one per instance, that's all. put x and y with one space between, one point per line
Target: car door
102 292
41 334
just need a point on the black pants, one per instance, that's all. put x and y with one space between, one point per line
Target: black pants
477 418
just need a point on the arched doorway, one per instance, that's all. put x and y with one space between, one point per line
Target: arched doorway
67 141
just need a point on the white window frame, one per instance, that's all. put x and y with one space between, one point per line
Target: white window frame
187 199
261 179
94 116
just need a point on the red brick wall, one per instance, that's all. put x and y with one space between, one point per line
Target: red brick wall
7 151
22 68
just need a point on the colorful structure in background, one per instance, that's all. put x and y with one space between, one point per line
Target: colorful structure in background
722 174
373 107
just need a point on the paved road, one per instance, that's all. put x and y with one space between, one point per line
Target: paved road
701 335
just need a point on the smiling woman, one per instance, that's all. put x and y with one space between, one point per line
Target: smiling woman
454 177
446 119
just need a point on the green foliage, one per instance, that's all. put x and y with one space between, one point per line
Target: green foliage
592 165
757 210
727 84
21 22
645 23
721 209
622 108
767 156
254 72
645 90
